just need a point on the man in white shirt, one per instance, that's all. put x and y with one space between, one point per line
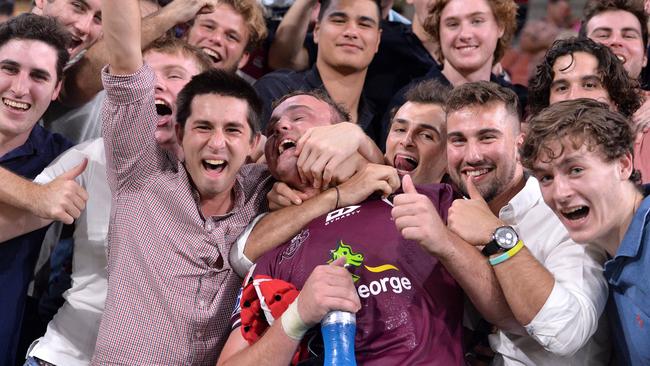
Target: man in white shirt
554 286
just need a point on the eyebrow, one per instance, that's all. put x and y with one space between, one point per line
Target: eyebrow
342 14
36 70
480 132
274 118
418 125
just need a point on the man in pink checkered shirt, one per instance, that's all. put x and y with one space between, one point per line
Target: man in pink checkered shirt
170 284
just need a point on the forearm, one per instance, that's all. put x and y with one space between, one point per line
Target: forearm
83 80
274 348
122 25
287 49
526 284
279 226
15 222
474 274
17 191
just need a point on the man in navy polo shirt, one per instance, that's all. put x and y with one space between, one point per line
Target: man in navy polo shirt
32 56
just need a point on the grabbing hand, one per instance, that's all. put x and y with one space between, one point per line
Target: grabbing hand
185 10
472 219
62 199
281 195
370 179
328 288
322 150
417 219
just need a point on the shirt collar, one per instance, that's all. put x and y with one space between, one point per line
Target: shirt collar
33 146
522 202
632 240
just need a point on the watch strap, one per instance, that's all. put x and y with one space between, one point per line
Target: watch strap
491 248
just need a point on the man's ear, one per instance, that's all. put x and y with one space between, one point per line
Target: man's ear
257 147
316 32
625 166
57 90
38 7
179 132
243 60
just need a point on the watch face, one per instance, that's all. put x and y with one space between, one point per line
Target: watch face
506 237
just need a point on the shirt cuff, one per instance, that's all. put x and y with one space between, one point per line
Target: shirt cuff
556 327
126 89
238 260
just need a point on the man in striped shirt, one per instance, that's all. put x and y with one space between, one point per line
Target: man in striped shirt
170 283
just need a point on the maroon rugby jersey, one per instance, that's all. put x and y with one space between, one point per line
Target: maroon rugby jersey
411 306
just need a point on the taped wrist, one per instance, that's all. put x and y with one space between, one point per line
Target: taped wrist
292 324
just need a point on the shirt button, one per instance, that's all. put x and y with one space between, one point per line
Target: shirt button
201 304
199 334
208 226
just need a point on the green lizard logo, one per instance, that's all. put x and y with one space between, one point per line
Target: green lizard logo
351 258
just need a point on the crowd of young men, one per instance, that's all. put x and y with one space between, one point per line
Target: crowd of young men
452 215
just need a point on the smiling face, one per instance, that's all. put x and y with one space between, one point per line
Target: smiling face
482 143
348 35
82 18
288 122
584 190
416 142
468 36
621 32
28 83
223 36
216 141
173 71
576 76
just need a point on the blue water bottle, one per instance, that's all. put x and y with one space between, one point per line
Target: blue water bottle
338 328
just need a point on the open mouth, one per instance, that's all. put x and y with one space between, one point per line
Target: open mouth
16 105
162 108
74 42
214 56
216 166
621 58
575 213
405 163
285 145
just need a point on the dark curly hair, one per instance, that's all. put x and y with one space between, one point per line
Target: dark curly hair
583 122
504 11
624 91
634 7
34 27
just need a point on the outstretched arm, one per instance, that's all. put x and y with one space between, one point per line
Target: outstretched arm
279 226
287 51
417 219
122 35
83 80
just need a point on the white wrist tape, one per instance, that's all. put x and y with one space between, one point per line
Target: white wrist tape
292 324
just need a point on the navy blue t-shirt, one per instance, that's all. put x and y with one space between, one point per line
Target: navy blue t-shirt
18 256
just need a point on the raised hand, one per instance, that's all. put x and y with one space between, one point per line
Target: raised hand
62 199
417 219
472 219
328 288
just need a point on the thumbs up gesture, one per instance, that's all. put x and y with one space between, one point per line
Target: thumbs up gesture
62 199
417 219
472 219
